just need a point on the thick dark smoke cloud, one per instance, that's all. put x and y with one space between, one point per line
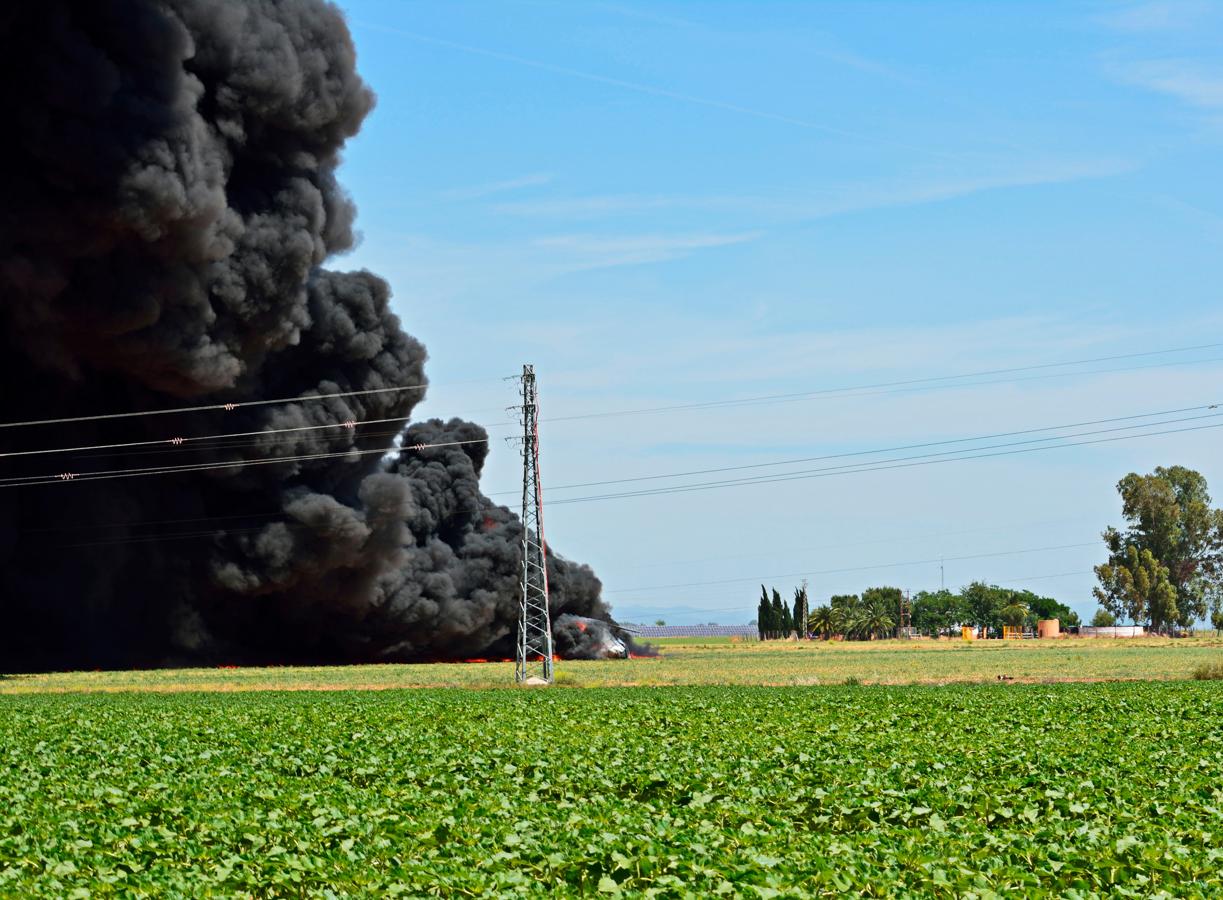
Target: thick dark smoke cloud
167 169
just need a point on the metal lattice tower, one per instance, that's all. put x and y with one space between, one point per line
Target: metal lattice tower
534 657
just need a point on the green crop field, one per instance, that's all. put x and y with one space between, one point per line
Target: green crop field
968 790
702 661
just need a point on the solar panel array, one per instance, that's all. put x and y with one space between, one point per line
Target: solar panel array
663 631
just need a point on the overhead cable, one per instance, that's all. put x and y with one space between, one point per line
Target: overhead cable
803 459
930 380
174 443
230 406
66 477
878 466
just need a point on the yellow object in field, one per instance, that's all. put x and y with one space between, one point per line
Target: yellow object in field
969 634
1012 632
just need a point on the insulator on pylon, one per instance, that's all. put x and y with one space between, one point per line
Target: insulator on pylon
177 440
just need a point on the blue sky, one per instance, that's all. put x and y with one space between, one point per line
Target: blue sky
677 203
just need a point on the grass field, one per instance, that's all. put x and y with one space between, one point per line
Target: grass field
708 662
1075 790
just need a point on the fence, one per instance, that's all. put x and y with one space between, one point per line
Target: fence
1112 631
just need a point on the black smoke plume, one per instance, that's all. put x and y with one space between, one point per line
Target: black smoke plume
167 175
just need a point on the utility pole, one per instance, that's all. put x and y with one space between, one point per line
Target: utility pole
533 662
806 611
905 618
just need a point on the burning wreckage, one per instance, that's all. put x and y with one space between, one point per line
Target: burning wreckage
170 200
580 637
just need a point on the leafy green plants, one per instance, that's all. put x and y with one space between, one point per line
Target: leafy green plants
1067 790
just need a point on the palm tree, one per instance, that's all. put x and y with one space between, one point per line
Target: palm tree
846 610
857 623
844 620
822 620
1013 613
877 622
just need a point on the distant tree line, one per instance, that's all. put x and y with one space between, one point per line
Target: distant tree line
875 613
1164 571
984 606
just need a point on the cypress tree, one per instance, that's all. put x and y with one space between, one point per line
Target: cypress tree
781 613
763 614
800 611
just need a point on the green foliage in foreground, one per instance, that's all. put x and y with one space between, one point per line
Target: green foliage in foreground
1076 789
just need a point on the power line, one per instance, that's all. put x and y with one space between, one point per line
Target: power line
227 407
177 443
984 437
29 480
1044 577
884 465
930 380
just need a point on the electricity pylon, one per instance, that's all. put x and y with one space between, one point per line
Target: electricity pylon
534 656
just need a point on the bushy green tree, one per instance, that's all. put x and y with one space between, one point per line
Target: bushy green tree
1168 514
937 612
1047 608
983 603
885 598
1135 585
1103 619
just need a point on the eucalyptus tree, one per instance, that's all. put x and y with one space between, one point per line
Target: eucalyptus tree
1168 516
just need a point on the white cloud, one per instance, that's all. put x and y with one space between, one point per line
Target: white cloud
478 191
579 251
840 199
653 90
1191 82
1157 15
